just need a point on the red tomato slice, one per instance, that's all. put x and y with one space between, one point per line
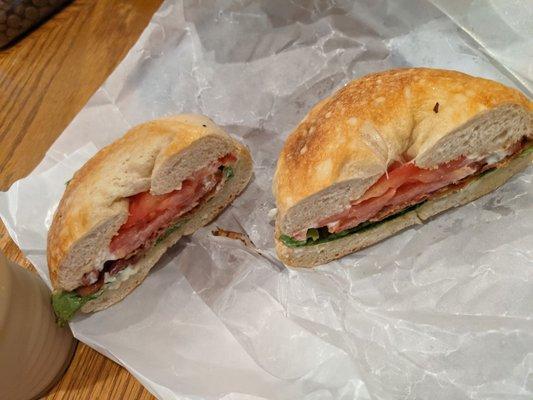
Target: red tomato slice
149 214
145 206
402 184
361 212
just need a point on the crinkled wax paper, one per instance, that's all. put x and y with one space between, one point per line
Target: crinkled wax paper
440 311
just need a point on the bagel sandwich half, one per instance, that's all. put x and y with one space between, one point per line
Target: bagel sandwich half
133 200
390 150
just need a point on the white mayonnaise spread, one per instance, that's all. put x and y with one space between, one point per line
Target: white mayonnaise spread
491 158
113 282
272 213
494 158
92 276
103 256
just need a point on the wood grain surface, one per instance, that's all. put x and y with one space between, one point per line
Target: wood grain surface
45 79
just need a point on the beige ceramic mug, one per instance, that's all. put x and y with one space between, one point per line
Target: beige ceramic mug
34 351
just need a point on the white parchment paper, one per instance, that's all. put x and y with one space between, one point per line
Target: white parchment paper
441 311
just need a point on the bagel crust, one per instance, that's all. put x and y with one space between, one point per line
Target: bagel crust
428 116
155 156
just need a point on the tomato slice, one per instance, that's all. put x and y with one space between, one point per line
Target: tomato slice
145 207
401 184
149 214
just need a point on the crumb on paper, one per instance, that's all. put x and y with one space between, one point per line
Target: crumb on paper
272 213
234 235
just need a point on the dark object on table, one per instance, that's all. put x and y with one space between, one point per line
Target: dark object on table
19 16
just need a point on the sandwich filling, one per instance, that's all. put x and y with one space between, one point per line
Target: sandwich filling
403 187
151 219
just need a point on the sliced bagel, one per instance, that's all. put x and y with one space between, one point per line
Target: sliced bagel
386 143
135 198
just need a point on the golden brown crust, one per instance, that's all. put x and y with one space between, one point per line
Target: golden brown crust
363 127
95 197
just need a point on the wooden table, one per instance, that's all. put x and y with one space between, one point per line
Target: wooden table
45 80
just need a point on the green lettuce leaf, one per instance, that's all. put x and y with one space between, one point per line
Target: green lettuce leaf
292 242
313 234
325 236
169 231
228 172
67 304
527 150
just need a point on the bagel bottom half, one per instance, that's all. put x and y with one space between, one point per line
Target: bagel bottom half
317 254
